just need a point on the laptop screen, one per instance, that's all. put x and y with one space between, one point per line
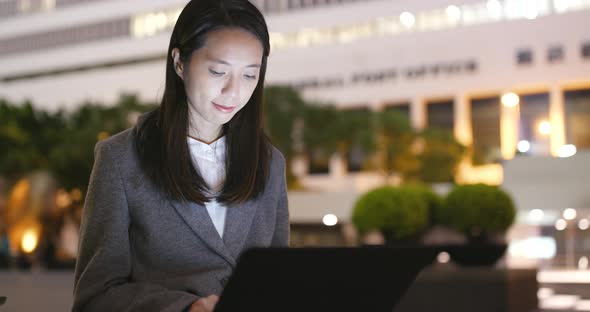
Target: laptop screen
323 279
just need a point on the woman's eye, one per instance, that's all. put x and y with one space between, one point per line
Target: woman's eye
216 73
250 76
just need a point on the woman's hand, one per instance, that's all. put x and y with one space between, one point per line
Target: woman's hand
206 304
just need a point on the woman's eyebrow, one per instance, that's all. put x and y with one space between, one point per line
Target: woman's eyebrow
216 60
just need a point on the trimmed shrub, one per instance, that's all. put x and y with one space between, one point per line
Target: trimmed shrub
477 210
400 213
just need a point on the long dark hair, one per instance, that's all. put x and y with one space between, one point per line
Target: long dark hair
161 137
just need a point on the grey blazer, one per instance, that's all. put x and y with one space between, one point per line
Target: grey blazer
140 251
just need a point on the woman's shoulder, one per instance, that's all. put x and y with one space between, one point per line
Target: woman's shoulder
122 144
119 144
277 159
118 149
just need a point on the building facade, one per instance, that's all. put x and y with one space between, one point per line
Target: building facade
511 76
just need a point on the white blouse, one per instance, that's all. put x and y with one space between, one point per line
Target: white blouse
209 159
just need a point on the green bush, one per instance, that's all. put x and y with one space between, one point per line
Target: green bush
433 201
400 213
477 210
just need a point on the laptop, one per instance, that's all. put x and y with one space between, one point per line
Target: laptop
323 279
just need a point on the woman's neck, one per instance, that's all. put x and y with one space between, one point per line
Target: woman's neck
206 137
202 130
206 142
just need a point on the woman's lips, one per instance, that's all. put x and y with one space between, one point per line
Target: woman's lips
224 109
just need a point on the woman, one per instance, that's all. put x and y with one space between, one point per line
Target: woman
173 201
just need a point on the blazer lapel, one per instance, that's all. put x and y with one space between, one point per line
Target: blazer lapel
237 225
198 219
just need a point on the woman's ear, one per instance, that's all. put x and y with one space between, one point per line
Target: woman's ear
178 67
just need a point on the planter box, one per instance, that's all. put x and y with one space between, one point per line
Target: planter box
454 289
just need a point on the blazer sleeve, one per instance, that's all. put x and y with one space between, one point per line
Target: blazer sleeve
282 228
101 280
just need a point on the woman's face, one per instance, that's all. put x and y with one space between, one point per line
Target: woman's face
221 76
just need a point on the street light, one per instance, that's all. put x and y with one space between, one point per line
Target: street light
568 222
407 19
560 225
453 13
583 224
566 150
523 146
536 215
570 214
330 220
494 8
583 263
510 99
29 241
544 127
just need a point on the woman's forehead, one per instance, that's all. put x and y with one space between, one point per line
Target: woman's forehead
233 48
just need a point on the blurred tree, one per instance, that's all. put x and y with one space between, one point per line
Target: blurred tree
431 155
72 158
296 126
283 107
329 130
397 144
356 128
321 129
63 143
320 135
26 138
439 157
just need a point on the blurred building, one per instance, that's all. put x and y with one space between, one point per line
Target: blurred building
510 77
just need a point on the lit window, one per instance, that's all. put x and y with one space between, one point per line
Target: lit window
25 5
293 4
48 5
555 54
524 57
586 50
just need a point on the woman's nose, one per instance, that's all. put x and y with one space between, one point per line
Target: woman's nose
232 87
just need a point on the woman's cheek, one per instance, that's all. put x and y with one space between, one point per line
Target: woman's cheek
247 95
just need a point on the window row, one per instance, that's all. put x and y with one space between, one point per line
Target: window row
533 136
445 69
553 54
277 6
61 37
10 8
